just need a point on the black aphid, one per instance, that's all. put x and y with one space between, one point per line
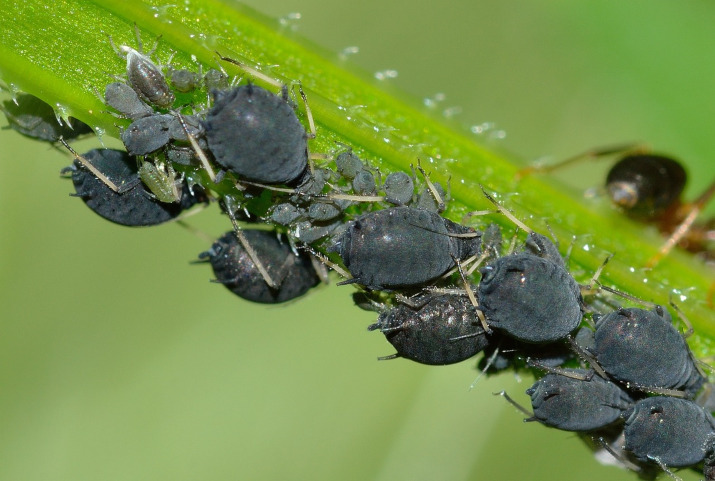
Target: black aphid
256 135
122 98
233 267
642 347
36 119
403 246
670 431
530 295
574 404
399 188
130 204
215 80
440 329
184 80
149 134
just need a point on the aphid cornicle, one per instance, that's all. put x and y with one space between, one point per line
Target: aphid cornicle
402 247
256 135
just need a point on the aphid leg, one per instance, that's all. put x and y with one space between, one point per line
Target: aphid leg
684 227
415 302
618 457
559 371
659 390
387 358
115 48
516 405
588 288
681 315
86 163
433 190
593 154
321 269
587 356
472 297
665 469
490 363
249 249
324 259
506 212
477 262
197 149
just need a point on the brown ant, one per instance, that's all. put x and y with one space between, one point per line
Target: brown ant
648 187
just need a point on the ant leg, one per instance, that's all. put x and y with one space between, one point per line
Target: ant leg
593 154
684 227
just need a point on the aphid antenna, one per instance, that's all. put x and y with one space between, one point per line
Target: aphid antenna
308 111
592 154
684 227
96 171
521 408
288 190
490 363
588 288
197 149
506 212
198 233
251 71
472 297
567 256
665 469
625 295
561 372
433 190
618 457
319 156
683 318
587 356
512 244
324 259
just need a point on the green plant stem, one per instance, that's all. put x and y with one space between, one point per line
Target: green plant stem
68 59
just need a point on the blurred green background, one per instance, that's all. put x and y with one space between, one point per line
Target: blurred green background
121 361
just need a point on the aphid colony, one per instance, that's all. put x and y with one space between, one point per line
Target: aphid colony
626 377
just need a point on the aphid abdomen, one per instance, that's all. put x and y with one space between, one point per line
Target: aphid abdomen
147 80
530 298
257 136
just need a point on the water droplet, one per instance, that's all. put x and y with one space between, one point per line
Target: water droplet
347 52
386 74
